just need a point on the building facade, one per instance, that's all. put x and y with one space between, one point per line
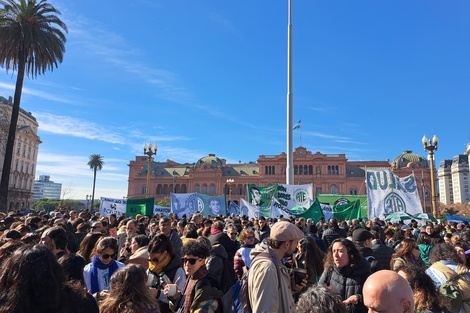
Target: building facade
46 188
23 167
454 179
329 174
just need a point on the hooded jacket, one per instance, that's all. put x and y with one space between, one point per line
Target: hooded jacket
264 291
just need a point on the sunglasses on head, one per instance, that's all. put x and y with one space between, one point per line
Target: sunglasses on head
107 256
191 261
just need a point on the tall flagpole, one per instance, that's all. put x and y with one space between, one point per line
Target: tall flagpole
289 166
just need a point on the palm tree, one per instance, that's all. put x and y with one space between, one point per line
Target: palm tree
31 42
96 163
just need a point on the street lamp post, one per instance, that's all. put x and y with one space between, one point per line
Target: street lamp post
230 182
430 145
149 151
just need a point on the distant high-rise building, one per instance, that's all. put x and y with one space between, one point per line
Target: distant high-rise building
45 188
454 179
24 159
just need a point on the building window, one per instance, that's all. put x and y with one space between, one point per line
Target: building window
318 191
212 190
204 189
333 189
337 169
266 170
296 170
305 169
329 169
196 188
310 170
143 190
301 169
274 170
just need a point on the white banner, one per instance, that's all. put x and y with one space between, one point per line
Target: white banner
110 206
290 196
388 193
249 210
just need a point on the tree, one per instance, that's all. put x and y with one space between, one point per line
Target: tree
31 41
96 163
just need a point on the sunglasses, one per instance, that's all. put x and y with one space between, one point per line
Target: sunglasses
191 261
107 256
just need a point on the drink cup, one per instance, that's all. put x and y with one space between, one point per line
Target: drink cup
172 288
299 275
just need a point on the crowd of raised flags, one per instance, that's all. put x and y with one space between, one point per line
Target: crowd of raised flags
386 194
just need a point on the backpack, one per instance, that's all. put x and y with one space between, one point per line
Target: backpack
456 288
228 277
236 300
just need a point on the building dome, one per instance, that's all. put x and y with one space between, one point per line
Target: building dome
408 158
210 161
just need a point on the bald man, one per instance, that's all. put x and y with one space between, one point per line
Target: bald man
387 292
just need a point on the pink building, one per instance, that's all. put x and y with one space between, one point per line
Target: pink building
329 174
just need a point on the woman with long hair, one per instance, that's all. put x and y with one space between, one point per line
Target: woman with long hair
426 297
129 293
164 267
97 274
31 280
88 244
345 273
408 253
311 258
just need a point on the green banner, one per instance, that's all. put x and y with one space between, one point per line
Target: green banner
314 212
344 199
212 205
139 206
347 211
261 196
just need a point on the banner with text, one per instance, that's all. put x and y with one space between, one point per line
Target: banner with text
290 196
387 193
110 206
327 201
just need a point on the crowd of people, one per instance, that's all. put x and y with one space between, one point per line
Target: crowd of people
68 261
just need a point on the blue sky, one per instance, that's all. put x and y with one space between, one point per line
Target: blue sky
370 78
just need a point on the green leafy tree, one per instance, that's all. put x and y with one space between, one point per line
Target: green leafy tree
96 163
46 204
32 41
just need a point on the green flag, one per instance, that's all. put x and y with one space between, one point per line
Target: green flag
314 211
139 206
347 211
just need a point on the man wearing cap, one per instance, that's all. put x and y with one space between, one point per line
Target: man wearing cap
362 238
267 291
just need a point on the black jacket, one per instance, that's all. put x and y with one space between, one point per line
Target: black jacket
331 234
383 255
261 234
153 279
348 281
230 246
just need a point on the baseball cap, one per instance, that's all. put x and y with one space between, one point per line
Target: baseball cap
285 231
361 234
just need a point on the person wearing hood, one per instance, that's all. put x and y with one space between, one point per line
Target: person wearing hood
345 273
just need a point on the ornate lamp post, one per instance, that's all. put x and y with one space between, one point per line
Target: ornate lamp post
149 151
88 198
230 182
430 145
